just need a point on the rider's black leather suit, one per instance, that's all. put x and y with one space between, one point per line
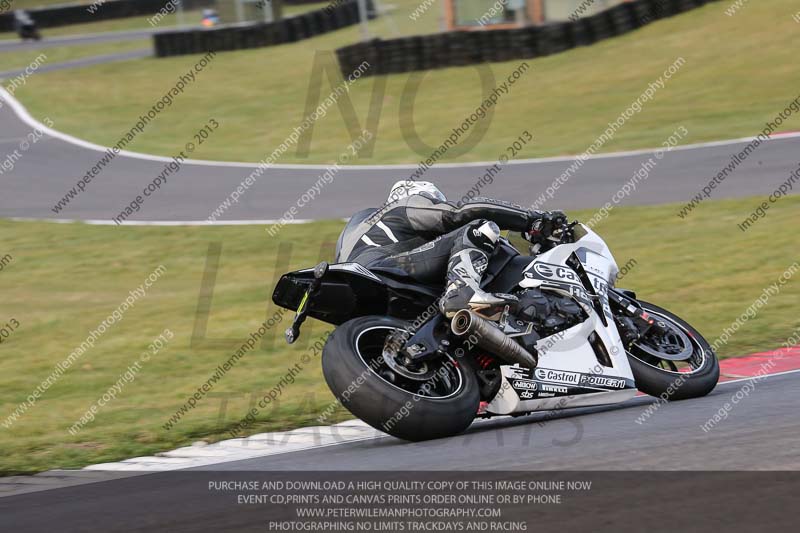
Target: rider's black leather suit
419 235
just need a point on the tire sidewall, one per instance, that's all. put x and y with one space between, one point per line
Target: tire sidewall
388 408
672 386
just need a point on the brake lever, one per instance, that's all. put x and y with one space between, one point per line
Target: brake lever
566 231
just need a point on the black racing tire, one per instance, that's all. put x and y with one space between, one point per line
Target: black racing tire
385 406
670 385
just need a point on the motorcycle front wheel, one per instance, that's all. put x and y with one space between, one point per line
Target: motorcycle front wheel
416 402
677 365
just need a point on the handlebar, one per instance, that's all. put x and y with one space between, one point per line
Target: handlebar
563 235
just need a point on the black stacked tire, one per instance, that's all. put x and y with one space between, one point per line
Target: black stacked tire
387 407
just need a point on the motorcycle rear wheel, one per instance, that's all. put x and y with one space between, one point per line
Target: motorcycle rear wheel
434 400
670 378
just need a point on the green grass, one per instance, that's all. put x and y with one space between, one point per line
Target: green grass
289 11
65 279
739 72
22 59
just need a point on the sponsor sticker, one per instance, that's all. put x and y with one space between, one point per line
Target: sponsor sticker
556 272
519 372
558 376
527 385
558 382
602 381
559 389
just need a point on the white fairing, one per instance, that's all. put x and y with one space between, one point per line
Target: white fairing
570 373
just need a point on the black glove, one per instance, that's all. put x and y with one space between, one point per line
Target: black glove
544 223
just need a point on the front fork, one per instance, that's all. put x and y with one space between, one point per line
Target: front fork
635 321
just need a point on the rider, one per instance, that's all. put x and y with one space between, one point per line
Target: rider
417 232
24 24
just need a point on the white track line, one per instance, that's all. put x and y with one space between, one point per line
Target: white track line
26 117
6 44
759 377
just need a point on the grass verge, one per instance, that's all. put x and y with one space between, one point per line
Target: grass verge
729 86
21 59
64 280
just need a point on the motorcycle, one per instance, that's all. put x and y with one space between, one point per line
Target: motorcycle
573 340
25 26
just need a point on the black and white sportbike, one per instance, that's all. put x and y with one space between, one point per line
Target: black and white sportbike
574 340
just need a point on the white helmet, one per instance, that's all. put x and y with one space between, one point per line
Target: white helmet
404 188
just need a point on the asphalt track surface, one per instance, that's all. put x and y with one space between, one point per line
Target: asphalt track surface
759 434
44 173
16 45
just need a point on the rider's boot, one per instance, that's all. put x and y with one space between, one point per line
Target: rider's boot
464 273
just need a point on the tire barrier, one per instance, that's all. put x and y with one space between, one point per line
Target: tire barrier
259 34
67 14
460 48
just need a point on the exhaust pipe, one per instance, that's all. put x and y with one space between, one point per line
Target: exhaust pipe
490 338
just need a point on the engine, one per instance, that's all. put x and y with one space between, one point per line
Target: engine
549 313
